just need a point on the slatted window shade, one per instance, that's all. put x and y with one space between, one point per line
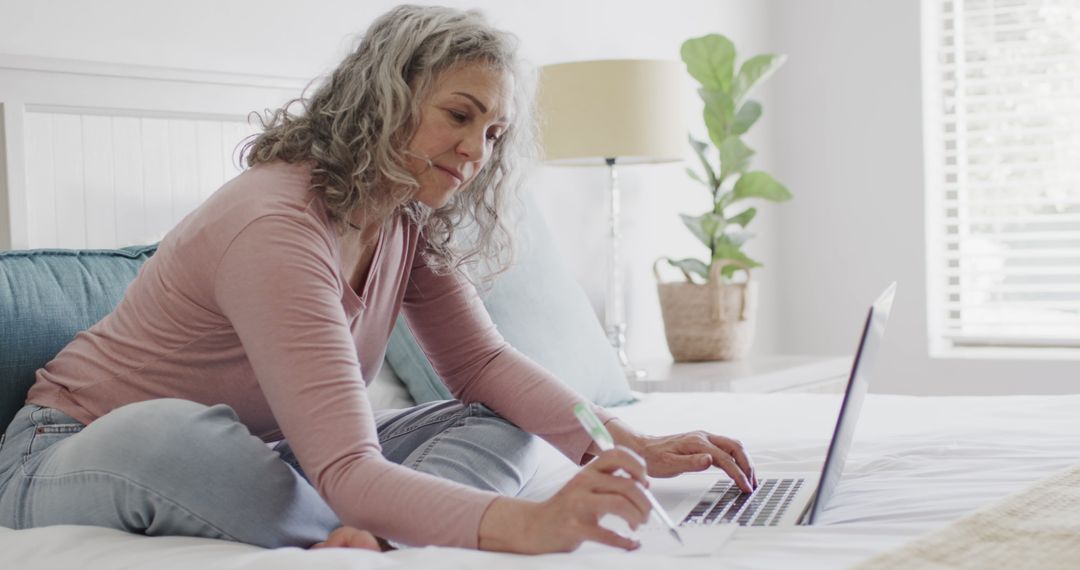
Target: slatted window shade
1008 188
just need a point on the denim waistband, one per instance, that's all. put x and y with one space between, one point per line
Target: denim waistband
33 415
42 416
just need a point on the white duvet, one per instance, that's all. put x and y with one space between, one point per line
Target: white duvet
916 464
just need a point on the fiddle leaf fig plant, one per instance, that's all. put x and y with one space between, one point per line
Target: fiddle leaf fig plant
725 163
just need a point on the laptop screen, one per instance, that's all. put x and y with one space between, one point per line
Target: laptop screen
858 383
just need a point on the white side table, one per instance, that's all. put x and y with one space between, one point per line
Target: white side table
775 373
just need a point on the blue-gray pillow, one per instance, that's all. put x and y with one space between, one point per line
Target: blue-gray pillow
540 310
46 297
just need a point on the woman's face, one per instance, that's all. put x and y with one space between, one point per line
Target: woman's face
466 111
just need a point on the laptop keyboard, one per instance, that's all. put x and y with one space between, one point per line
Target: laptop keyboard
724 503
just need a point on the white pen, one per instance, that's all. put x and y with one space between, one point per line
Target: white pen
604 441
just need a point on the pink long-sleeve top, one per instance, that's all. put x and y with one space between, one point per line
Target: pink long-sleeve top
245 304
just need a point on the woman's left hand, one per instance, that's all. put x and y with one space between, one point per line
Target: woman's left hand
671 455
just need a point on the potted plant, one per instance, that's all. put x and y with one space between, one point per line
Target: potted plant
711 315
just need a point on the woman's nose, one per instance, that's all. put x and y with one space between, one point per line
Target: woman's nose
473 146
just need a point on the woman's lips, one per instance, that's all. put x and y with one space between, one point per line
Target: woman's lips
453 173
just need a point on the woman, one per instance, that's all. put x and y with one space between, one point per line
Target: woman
265 311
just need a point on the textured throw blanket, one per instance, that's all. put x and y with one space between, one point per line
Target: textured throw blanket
1036 528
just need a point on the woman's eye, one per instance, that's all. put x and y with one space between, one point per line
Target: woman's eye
458 117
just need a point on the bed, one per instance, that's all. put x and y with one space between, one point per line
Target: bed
917 464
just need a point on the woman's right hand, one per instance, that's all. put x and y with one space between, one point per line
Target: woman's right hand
349 537
572 515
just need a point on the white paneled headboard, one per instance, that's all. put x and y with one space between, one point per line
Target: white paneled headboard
101 155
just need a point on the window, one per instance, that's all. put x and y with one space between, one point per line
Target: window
1002 104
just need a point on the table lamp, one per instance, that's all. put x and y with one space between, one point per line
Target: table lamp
608 112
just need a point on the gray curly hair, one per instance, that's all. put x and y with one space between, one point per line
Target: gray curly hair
356 125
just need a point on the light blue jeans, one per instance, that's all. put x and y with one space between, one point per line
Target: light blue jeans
175 467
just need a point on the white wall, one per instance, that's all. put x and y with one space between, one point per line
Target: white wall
842 128
274 37
849 142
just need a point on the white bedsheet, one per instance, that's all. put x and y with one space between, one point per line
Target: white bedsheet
916 465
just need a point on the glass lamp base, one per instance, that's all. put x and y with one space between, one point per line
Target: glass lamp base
617 337
629 370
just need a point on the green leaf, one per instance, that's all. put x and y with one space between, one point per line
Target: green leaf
743 217
759 185
736 235
698 146
728 271
711 60
699 149
746 117
691 265
713 226
706 227
695 176
722 202
729 251
753 71
719 114
694 225
734 157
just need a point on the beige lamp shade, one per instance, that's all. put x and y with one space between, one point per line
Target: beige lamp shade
627 109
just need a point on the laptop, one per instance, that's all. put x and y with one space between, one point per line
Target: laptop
783 499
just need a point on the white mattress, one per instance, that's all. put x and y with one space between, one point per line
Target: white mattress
916 465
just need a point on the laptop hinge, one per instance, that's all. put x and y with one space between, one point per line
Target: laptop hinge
804 517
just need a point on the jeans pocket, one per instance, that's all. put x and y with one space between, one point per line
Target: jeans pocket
46 436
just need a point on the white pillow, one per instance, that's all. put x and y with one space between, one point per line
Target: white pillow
387 391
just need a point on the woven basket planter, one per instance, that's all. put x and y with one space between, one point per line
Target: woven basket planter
711 321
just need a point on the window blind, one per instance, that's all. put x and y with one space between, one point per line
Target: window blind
1008 192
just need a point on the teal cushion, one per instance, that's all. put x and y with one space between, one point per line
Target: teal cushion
540 309
46 297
